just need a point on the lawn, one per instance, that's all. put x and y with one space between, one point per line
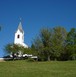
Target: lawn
38 69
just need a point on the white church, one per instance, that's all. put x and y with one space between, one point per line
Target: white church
19 40
19 36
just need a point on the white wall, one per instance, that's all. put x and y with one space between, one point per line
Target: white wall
19 40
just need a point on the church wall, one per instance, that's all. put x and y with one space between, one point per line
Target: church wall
19 37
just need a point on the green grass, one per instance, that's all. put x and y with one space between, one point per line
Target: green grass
38 69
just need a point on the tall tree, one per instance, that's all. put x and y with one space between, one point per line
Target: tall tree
58 41
43 44
71 44
50 42
71 37
46 35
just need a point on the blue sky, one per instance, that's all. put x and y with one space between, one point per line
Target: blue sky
35 15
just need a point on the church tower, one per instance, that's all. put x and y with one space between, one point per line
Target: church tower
19 36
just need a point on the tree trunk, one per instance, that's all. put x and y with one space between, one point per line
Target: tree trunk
48 58
13 56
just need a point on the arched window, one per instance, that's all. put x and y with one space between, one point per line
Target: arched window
18 36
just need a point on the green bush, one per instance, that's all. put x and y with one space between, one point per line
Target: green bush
30 60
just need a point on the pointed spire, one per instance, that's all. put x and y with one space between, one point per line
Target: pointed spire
20 27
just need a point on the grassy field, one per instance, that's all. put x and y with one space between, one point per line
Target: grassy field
38 69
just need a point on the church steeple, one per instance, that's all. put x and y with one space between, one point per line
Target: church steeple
20 27
19 36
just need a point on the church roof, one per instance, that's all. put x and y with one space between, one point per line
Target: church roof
20 27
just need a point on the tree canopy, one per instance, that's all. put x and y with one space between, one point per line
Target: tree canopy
51 44
56 44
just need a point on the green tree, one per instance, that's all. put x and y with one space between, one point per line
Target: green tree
71 44
42 44
50 43
58 41
71 37
18 50
46 38
37 46
12 49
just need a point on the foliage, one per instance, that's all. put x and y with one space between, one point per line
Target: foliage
18 50
50 43
12 49
31 60
71 44
71 37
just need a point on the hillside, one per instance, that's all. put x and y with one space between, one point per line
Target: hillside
38 69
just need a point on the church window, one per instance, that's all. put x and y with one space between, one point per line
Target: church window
18 36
